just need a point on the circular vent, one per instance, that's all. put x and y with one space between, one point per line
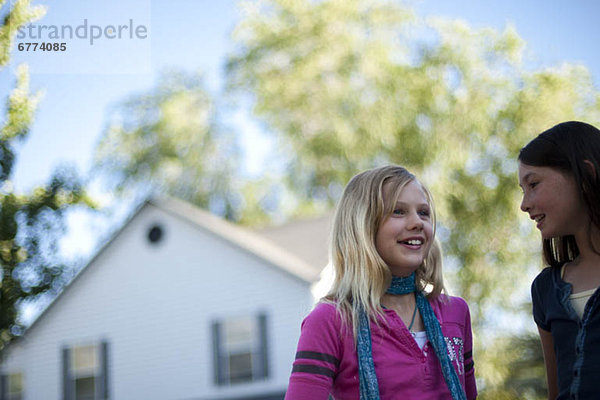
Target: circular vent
155 234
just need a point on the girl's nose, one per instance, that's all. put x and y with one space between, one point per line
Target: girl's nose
415 221
525 204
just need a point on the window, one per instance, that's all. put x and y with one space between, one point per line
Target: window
240 349
85 372
85 369
11 386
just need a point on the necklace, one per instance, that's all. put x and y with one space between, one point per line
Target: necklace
412 321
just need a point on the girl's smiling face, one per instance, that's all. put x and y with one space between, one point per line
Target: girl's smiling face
553 200
404 238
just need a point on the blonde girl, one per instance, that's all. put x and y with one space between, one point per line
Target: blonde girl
385 330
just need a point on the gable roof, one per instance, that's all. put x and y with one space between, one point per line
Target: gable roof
306 238
245 239
242 238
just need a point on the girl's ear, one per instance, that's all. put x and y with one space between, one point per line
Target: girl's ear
589 166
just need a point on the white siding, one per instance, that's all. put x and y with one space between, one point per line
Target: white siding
154 305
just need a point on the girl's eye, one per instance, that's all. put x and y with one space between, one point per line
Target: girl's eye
398 211
424 213
533 184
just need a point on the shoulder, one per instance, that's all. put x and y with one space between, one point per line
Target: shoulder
323 309
544 297
544 286
324 313
446 302
544 279
323 324
451 308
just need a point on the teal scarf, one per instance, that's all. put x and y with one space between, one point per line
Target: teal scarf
369 388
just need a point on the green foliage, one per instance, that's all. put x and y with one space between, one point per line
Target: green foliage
168 140
20 13
29 224
523 377
355 84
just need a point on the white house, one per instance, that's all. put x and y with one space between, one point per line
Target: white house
179 305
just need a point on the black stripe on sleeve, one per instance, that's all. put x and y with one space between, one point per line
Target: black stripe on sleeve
468 355
313 369
313 355
469 366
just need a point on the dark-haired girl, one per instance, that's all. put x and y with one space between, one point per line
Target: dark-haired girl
558 171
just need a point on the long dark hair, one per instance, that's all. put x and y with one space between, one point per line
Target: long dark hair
572 147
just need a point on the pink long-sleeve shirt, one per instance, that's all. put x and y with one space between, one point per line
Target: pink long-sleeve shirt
326 361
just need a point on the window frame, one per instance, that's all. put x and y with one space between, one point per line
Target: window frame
6 386
99 371
258 350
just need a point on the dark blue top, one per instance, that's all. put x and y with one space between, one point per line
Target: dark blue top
576 341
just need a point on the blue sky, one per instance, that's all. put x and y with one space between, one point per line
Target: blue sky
84 82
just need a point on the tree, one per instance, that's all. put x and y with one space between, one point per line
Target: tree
354 84
168 140
29 223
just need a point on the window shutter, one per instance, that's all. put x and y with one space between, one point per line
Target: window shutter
103 387
217 363
264 352
66 371
3 387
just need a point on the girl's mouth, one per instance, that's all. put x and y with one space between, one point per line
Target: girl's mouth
412 243
539 219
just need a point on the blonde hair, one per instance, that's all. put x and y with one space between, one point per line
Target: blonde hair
361 277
